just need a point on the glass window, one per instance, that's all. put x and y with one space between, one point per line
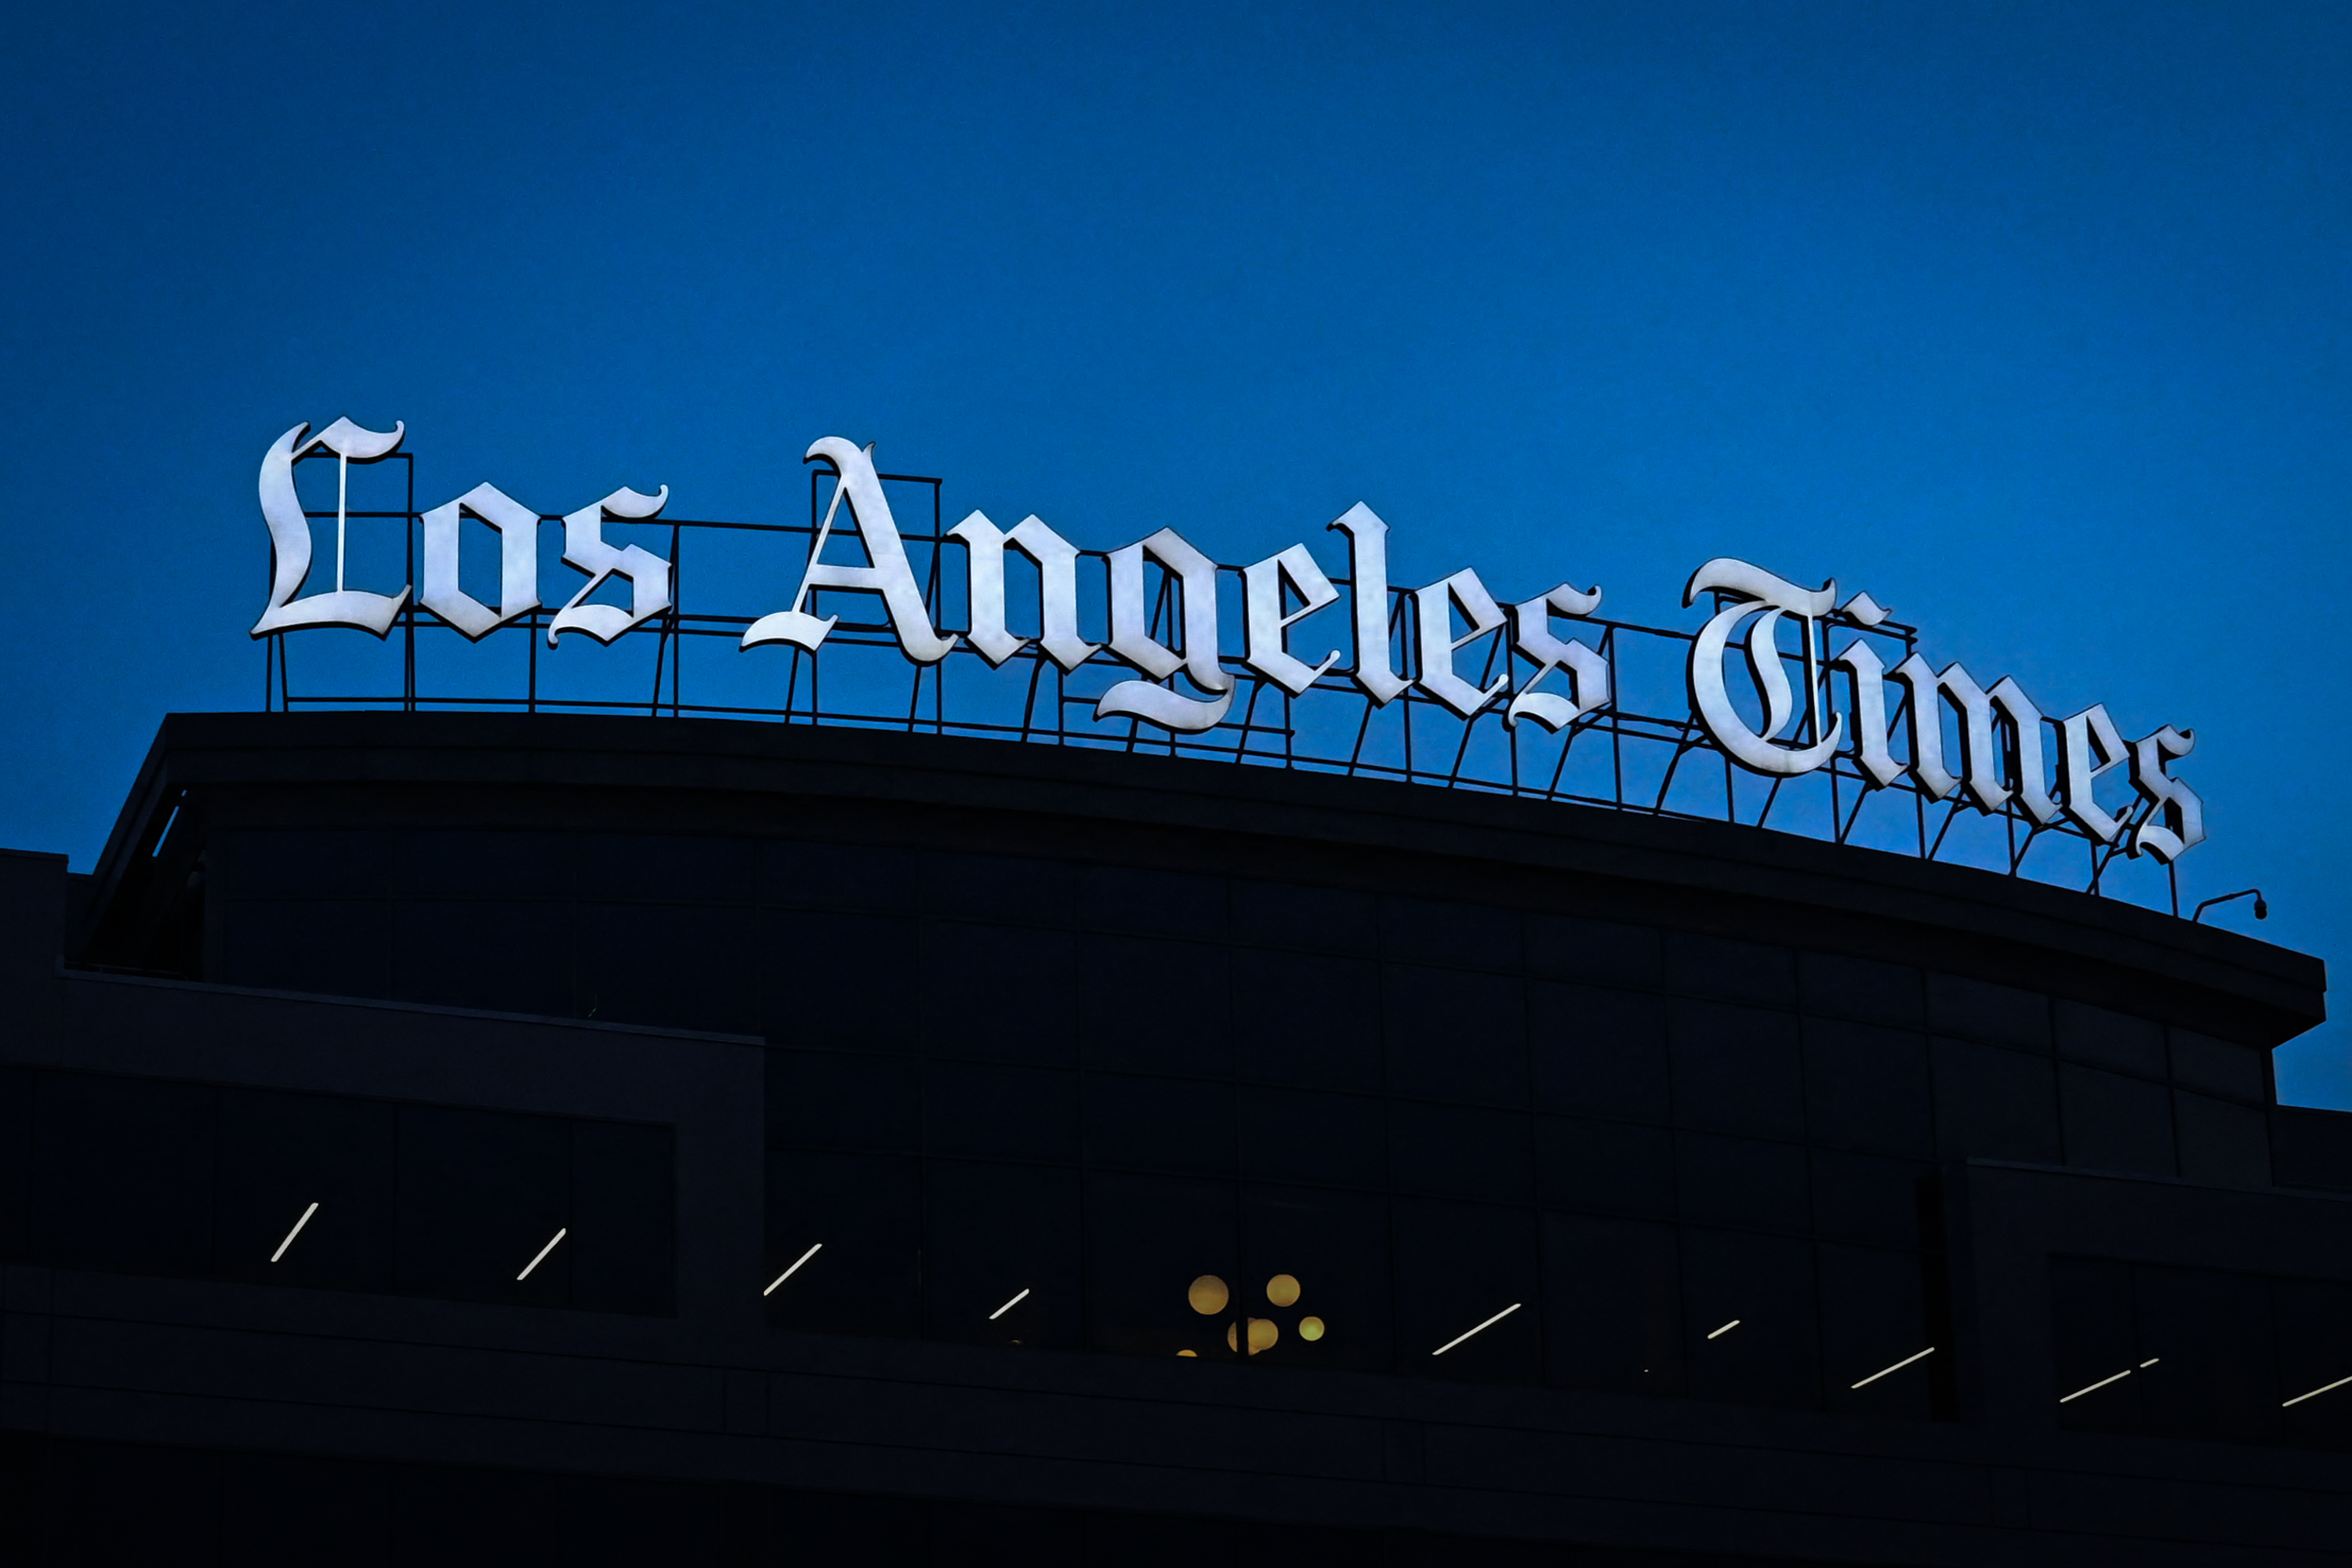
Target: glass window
1460 1151
1307 1020
279 1154
1149 1005
1000 1112
1741 1181
1748 1318
1867 1087
1562 947
1459 1267
1600 1053
840 982
1612 1302
1148 1240
1984 1011
2114 1122
1455 1035
1000 992
849 1230
1334 1247
1730 971
1836 986
1296 1135
1995 1104
839 1099
1609 1167
1000 1253
1159 1124
1737 1069
123 1168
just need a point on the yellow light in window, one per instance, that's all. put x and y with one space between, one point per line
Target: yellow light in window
1311 1328
1194 1354
1208 1295
1262 1334
1283 1289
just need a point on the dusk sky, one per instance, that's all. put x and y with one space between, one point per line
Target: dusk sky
2031 321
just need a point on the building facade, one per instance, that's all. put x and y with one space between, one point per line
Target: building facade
500 1137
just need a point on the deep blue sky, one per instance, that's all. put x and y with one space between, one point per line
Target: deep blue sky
2030 320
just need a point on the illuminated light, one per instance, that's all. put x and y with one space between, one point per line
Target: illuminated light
1263 1334
2101 1383
1194 1354
1233 1342
1898 1366
1283 1289
1725 1330
543 1251
2151 1361
1479 1329
295 1232
1208 1295
1009 1305
1311 1329
795 1269
2315 1392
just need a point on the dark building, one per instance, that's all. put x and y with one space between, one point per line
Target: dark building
521 1139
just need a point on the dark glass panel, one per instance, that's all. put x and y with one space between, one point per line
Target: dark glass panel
1159 1124
992 1232
2116 1124
1454 1035
1000 888
1873 1319
1562 947
1310 1021
1764 1285
837 1099
1460 1151
864 1212
1737 1069
1295 1135
1148 1239
1612 1299
279 1153
1866 1197
2095 1345
841 982
1147 1005
675 966
1984 1011
2221 1067
1450 936
1730 971
1000 1112
1458 1265
1614 1167
1995 1104
1867 1087
842 876
1319 919
623 1239
1336 1245
1600 1053
123 1172
481 1193
319 947
2095 1034
500 956
1832 986
1152 903
1000 992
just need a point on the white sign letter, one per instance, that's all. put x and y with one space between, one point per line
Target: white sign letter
1058 589
584 547
290 534
517 528
1131 639
1262 588
889 574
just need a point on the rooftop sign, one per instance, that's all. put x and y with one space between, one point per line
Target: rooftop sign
1784 682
